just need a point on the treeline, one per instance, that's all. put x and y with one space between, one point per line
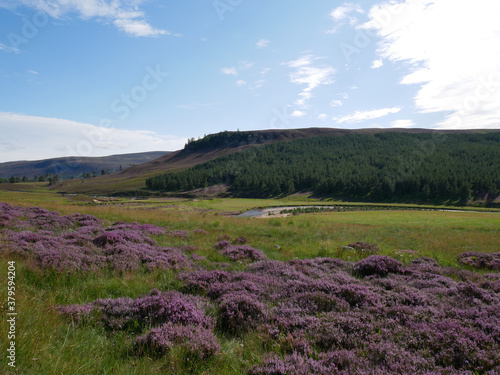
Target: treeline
383 166
54 178
226 139
50 177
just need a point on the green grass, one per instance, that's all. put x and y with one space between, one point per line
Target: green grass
49 344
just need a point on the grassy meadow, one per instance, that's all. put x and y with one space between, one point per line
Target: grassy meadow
47 343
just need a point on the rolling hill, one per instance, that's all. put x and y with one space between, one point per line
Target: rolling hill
228 148
75 166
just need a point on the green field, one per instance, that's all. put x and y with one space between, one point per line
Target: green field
47 344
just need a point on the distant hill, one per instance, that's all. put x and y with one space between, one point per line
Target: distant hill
75 166
214 147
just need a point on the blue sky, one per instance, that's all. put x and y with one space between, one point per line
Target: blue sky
101 77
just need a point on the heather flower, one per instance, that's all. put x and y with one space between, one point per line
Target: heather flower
480 260
76 312
121 237
294 364
240 241
201 281
378 265
222 244
174 307
239 312
197 341
243 252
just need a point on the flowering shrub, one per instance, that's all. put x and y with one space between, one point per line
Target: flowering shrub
242 252
480 260
153 309
80 242
174 307
114 237
222 244
378 265
239 312
195 340
240 241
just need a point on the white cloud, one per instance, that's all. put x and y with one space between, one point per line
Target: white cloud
402 124
360 116
308 74
241 82
265 71
342 13
34 138
257 84
298 114
323 117
244 65
5 48
457 67
263 43
124 14
336 103
33 72
138 28
377 64
230 71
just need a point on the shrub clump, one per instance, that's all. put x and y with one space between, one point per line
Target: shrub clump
480 260
242 252
379 265
195 340
239 312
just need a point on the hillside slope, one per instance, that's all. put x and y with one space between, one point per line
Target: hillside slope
196 152
378 166
75 166
209 148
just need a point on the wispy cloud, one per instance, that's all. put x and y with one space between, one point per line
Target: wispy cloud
336 103
377 64
360 116
298 114
457 67
241 82
342 14
263 43
307 72
5 48
230 71
124 14
33 138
